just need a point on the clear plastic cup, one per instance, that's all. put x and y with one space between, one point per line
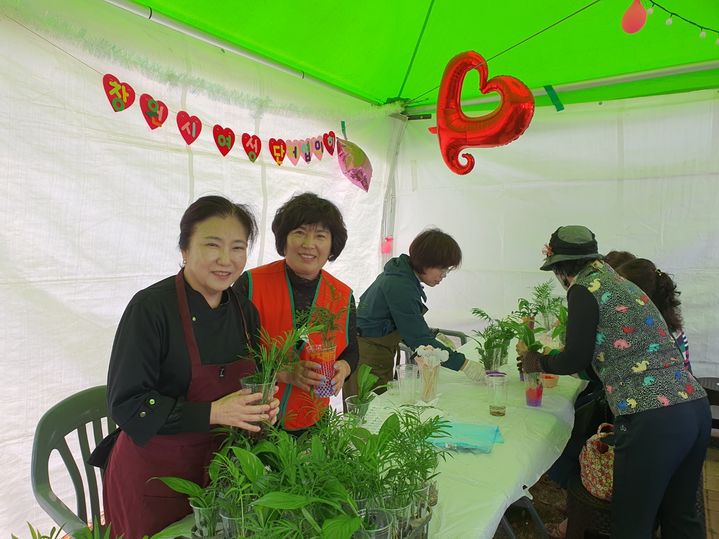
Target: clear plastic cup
497 386
407 380
533 388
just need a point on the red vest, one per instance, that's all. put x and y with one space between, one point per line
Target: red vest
271 292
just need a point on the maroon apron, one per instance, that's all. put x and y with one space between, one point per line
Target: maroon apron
140 505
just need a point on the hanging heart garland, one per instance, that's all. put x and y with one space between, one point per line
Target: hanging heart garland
278 149
153 110
329 141
293 151
120 94
306 149
189 126
252 145
317 148
224 138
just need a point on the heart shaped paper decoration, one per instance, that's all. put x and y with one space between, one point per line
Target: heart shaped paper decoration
457 131
120 94
329 140
153 110
293 151
354 163
224 138
306 149
189 126
278 149
317 148
252 145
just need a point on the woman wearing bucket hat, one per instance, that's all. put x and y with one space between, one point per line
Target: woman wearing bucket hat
662 418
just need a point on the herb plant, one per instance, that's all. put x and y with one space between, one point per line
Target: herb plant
366 384
275 354
203 498
493 340
324 320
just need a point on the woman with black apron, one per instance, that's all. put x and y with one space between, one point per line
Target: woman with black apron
179 353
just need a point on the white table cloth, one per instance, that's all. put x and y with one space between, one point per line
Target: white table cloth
475 489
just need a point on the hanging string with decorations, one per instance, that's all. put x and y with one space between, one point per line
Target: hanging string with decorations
353 162
635 17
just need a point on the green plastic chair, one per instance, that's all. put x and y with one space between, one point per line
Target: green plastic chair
73 415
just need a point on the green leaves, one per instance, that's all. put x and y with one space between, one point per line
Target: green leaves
340 527
521 323
251 466
183 486
283 500
35 533
366 382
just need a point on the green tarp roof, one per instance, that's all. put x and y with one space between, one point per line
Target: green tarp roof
383 51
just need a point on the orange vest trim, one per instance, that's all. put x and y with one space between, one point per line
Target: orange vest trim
270 291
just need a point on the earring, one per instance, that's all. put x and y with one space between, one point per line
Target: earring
184 262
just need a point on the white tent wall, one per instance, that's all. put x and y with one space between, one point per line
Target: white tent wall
642 174
92 199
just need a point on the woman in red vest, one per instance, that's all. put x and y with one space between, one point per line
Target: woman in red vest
309 231
180 350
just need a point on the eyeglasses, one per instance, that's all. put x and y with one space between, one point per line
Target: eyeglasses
445 271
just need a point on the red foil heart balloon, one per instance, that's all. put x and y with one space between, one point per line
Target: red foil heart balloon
457 131
189 126
120 94
224 138
153 110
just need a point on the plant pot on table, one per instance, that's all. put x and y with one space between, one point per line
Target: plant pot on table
496 357
207 521
357 407
376 524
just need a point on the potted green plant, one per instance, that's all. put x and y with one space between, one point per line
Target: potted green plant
358 404
412 461
300 495
236 471
325 321
203 501
493 341
273 354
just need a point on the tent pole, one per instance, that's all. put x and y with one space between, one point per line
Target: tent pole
148 13
594 83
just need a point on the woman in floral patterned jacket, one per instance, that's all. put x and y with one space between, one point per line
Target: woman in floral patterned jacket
662 417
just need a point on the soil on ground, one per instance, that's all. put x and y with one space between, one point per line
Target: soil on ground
550 502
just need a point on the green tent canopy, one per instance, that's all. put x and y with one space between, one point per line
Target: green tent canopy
384 52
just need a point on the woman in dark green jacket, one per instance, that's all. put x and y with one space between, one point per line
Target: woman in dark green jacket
392 309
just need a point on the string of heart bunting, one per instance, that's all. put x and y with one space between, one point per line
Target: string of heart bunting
121 96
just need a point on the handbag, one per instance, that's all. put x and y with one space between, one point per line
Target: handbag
596 462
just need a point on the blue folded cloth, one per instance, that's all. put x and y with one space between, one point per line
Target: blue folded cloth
470 437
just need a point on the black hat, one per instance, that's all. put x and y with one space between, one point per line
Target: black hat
572 242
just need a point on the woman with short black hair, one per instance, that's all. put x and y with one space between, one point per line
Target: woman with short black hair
392 309
309 231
